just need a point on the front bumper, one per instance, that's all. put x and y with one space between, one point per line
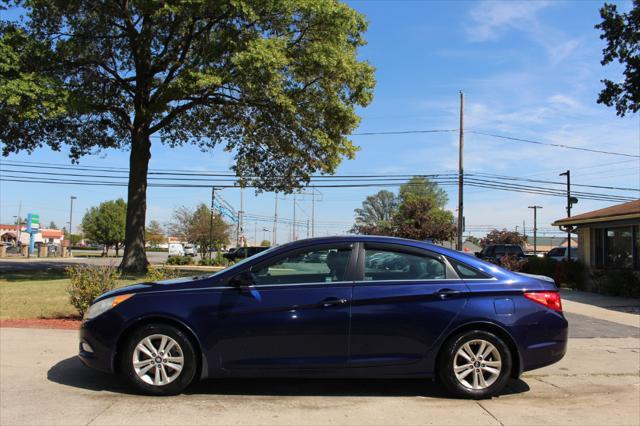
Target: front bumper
93 350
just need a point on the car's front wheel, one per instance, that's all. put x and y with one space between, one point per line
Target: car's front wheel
159 359
475 364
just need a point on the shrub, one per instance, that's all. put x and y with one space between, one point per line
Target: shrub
218 260
179 260
89 282
159 273
570 274
622 283
511 263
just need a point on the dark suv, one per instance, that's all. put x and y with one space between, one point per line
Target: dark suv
495 252
243 252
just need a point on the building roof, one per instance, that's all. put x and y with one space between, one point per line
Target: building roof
625 211
550 241
51 233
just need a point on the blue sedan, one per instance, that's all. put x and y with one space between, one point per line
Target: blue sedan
356 306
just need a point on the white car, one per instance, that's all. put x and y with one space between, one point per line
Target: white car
190 250
560 253
176 250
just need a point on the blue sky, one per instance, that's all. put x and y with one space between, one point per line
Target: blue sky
529 70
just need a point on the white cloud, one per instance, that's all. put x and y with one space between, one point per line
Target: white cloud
490 19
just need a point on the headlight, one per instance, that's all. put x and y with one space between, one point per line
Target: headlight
104 305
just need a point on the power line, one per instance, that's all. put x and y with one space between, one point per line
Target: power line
493 135
334 178
471 182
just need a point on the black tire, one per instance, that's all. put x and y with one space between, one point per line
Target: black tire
184 378
447 358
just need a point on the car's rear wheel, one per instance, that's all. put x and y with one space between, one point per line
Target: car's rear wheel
475 364
159 359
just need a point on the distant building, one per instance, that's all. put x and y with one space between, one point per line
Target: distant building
9 234
544 244
608 238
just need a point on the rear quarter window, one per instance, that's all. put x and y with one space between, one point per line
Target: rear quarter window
467 272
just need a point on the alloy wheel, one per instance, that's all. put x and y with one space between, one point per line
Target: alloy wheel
477 364
158 359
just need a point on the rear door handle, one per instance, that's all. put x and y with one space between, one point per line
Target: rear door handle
445 293
333 301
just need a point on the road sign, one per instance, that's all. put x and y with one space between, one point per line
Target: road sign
33 222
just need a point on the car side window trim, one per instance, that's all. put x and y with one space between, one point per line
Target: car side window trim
450 273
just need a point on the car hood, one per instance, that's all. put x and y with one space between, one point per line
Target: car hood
164 285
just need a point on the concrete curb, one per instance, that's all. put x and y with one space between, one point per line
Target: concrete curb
623 318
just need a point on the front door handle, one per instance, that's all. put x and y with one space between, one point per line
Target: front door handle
333 301
445 293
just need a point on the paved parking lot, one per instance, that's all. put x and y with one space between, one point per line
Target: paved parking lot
598 382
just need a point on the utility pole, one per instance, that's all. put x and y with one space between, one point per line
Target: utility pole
307 228
275 223
313 212
535 227
241 212
213 197
73 197
293 227
461 176
255 233
570 202
19 243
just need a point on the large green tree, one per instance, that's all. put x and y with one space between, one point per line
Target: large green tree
199 228
275 82
105 224
154 234
422 188
376 213
417 212
621 31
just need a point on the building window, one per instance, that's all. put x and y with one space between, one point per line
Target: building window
619 247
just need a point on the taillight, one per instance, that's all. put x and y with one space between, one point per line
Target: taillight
550 299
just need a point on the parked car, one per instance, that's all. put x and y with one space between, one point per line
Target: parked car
190 250
176 249
560 253
495 252
466 322
243 252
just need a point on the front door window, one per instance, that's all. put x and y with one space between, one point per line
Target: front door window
317 265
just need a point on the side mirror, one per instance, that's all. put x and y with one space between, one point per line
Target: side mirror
244 280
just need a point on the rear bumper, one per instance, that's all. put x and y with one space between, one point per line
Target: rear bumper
546 344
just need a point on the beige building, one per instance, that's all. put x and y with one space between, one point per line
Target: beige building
608 238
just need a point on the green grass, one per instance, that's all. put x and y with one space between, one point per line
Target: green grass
42 294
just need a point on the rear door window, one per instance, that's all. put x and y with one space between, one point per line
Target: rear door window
392 265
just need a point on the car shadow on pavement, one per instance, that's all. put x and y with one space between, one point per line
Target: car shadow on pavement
71 372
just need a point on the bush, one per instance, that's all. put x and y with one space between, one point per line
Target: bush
89 282
622 283
218 260
159 273
570 274
179 260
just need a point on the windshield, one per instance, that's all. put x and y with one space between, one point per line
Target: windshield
245 260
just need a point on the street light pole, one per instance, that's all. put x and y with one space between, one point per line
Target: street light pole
535 228
569 203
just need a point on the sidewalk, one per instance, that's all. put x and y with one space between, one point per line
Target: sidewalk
600 307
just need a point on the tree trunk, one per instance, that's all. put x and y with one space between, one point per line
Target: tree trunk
135 259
